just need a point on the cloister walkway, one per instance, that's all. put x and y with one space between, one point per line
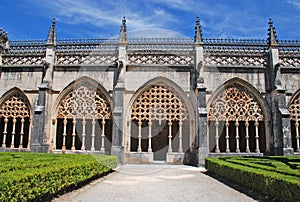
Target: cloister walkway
156 183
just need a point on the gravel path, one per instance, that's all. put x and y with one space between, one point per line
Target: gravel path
155 183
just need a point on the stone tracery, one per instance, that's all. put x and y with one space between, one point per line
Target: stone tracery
236 105
84 104
159 104
294 110
15 110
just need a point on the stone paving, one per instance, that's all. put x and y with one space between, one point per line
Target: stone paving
155 183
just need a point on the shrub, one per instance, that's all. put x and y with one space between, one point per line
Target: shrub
27 176
282 186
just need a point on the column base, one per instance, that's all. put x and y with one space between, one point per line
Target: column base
38 148
139 157
118 151
202 154
175 158
288 151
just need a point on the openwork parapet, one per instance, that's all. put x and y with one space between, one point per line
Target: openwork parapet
26 47
161 45
289 53
235 52
87 45
161 51
25 53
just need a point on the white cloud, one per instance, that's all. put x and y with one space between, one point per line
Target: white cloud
294 2
106 13
218 19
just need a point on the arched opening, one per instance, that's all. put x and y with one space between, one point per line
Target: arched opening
236 122
84 120
294 110
15 120
159 123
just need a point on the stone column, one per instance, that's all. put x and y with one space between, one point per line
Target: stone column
201 95
38 123
118 96
118 122
202 124
281 143
281 117
40 133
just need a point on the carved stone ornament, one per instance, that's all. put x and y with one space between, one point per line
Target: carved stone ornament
84 103
235 104
158 103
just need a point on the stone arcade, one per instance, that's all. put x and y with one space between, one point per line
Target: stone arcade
176 100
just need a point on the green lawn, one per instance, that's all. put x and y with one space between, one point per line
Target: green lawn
278 177
32 176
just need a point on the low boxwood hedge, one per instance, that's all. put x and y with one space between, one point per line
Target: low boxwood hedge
285 187
27 176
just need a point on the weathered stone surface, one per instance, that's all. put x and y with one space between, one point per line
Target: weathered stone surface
264 73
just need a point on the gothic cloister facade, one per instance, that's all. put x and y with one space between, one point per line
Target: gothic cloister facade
176 100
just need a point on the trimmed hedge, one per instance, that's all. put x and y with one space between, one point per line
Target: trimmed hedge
282 186
32 176
265 164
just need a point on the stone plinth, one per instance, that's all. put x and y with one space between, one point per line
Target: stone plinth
175 158
138 157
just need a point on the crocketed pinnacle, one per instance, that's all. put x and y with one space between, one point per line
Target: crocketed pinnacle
272 36
123 31
198 32
51 40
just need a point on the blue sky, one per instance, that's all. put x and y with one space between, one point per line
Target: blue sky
31 19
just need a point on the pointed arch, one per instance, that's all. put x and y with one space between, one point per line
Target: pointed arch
238 118
15 119
20 94
294 110
293 106
160 105
247 87
82 81
83 117
167 83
